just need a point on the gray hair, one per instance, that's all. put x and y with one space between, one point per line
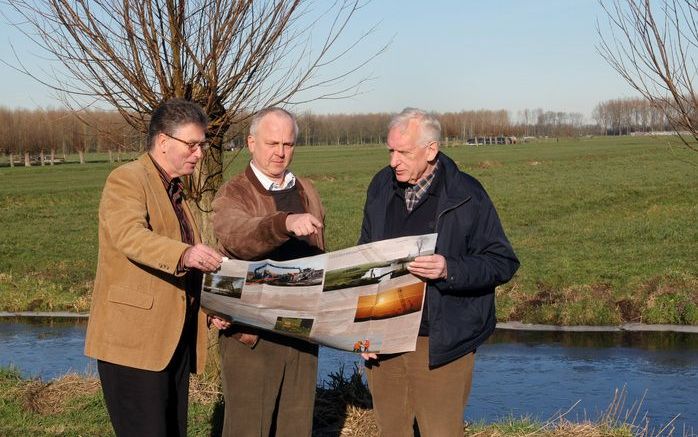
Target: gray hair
430 128
257 118
173 114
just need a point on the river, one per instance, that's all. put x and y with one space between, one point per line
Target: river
517 373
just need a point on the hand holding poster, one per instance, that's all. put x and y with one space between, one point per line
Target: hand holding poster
360 299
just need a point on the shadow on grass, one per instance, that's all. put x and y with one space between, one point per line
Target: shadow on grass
217 419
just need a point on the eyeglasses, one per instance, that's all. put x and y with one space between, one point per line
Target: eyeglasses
203 145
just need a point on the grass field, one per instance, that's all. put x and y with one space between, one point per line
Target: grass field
605 228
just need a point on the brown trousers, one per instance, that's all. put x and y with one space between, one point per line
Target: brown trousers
269 389
404 388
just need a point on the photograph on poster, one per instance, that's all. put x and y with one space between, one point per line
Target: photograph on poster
394 302
294 325
224 285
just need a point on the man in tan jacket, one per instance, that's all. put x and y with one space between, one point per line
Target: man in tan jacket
146 329
268 212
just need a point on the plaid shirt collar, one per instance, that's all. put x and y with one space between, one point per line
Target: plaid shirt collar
415 192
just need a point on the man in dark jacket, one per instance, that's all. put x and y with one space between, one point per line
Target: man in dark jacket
423 191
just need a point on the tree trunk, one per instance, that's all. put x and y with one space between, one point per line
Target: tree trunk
81 154
27 161
53 155
42 158
111 158
12 160
208 170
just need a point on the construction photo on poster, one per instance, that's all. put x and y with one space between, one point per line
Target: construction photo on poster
360 299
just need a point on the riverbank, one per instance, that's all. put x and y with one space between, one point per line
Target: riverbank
73 405
516 326
520 373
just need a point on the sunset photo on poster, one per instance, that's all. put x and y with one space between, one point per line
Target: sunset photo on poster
390 303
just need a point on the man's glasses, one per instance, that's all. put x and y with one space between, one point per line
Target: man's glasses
203 145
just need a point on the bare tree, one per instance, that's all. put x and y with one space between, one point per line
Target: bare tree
231 56
652 46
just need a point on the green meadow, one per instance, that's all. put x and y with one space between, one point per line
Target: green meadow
605 227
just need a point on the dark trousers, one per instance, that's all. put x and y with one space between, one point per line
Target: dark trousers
145 403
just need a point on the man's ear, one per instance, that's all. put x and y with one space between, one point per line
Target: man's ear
250 143
161 143
432 150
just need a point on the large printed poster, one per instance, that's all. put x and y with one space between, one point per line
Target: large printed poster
360 299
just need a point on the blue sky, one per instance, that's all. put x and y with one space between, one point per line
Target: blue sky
446 55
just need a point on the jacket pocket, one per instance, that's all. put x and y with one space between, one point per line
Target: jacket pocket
462 320
131 297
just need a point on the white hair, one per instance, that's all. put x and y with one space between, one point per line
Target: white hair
257 118
430 128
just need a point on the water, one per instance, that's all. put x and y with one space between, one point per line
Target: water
541 373
536 374
44 347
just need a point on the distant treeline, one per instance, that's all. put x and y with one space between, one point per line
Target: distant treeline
625 116
58 132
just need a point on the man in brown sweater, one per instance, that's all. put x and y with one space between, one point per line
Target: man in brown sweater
267 212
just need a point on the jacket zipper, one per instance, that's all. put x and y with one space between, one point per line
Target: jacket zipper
436 227
438 217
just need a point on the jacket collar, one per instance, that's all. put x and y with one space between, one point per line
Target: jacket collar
149 166
164 199
453 190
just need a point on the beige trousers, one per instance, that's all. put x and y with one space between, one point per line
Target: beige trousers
269 389
404 388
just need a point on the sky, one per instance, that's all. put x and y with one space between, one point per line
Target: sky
443 55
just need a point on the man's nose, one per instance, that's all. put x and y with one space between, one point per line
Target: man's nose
394 161
280 150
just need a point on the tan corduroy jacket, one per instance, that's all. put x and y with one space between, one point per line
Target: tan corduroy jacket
139 300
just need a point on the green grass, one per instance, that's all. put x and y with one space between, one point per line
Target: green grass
604 227
70 406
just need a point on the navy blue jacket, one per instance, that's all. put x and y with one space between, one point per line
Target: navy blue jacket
478 256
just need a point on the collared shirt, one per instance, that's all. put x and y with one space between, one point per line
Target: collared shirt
175 192
288 182
418 190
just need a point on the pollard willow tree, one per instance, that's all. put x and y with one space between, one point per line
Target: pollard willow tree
231 56
652 45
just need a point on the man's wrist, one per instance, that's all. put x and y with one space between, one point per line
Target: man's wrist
181 268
